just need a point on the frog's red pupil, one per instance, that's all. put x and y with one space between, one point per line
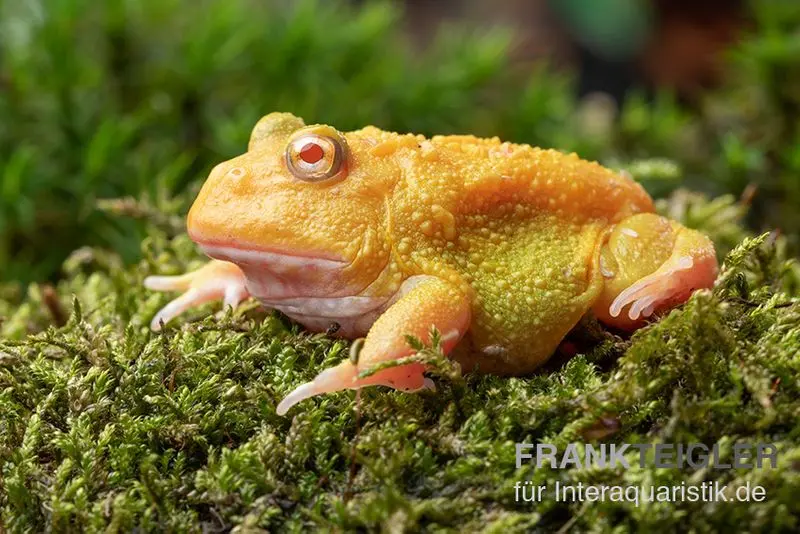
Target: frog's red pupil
311 153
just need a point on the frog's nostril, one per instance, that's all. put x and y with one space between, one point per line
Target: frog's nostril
236 173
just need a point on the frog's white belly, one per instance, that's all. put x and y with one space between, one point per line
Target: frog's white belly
351 316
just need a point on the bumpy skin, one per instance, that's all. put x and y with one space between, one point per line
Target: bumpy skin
502 247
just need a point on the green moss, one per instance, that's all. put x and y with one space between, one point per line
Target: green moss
108 425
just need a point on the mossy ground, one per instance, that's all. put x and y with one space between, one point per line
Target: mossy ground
108 426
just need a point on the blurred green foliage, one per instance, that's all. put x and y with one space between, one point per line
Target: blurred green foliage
130 98
141 98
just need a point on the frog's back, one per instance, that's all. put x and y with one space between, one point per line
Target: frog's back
496 173
523 226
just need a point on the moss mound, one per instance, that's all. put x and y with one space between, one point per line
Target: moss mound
107 425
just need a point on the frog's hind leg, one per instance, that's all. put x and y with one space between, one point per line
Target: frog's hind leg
423 302
691 265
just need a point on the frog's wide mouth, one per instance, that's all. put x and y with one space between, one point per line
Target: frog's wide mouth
276 259
276 273
309 288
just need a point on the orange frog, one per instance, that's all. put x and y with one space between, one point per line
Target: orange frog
501 247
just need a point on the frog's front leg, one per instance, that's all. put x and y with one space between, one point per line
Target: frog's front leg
213 281
424 302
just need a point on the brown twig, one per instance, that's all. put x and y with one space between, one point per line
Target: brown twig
53 304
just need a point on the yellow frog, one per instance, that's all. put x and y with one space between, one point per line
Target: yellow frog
501 247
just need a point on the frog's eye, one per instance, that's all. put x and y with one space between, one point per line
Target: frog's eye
315 157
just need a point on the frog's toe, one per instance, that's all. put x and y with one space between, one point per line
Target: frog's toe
168 283
336 378
231 295
651 291
193 297
407 378
651 264
428 384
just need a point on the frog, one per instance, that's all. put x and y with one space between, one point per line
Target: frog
494 249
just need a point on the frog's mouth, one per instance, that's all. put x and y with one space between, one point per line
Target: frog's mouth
279 261
279 274
311 289
298 284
